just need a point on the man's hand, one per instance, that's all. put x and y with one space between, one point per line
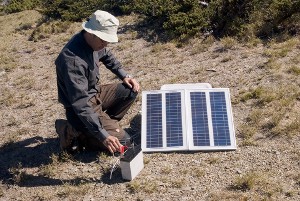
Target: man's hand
132 83
112 143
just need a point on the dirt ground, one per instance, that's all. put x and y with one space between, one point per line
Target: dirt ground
264 83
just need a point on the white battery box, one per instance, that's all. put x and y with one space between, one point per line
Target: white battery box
132 162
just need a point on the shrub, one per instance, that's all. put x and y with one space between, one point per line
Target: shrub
70 10
255 18
45 30
244 19
21 5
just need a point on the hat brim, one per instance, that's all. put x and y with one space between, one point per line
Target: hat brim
111 38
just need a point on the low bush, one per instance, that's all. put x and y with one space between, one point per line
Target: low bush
20 5
184 18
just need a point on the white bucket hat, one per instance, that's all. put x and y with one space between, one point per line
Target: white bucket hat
104 25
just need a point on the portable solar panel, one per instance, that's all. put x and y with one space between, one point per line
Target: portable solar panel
187 119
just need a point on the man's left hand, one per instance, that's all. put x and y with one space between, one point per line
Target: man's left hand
132 83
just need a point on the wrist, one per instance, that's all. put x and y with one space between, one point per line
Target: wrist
127 76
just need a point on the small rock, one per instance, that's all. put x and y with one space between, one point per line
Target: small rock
277 152
2 73
212 70
186 188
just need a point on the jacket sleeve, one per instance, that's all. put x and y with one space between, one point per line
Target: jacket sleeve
111 63
77 88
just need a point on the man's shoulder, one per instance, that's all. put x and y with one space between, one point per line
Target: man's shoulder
75 43
75 47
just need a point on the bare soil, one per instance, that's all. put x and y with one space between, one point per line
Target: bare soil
264 167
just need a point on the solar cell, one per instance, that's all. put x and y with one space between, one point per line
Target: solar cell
219 119
154 120
199 119
174 119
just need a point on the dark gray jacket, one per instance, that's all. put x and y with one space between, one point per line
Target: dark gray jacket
77 77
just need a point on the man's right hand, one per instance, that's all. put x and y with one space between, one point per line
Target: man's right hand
132 83
112 143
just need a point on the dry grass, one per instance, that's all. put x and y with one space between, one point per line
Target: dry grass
69 189
295 70
47 29
271 106
247 131
229 43
166 170
246 182
257 182
147 187
199 46
7 98
199 172
227 196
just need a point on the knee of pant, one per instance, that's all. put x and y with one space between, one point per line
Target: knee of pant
126 91
133 94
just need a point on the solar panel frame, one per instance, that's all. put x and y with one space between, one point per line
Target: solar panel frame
187 120
145 96
230 122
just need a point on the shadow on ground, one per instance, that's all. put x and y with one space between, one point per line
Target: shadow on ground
29 153
37 151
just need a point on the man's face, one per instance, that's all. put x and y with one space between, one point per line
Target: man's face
98 44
